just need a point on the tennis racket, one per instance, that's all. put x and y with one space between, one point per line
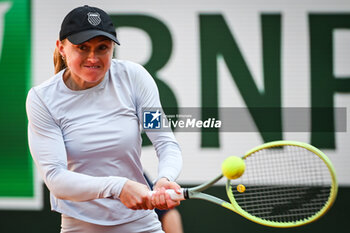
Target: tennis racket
285 184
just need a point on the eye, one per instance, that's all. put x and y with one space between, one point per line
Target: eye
82 47
103 47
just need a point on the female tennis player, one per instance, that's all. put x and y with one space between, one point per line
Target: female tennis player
84 133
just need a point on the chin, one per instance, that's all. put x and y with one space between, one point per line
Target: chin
93 78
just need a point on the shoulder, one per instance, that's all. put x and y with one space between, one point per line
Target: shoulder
49 85
128 71
46 90
124 65
128 68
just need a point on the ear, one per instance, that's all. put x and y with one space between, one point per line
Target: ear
60 48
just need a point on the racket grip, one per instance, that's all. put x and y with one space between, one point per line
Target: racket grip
173 195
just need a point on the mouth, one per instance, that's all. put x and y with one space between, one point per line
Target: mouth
93 67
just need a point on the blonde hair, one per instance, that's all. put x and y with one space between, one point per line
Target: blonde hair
58 61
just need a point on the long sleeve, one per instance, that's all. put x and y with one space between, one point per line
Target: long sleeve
165 144
48 151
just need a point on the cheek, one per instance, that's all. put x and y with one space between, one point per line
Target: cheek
107 62
74 62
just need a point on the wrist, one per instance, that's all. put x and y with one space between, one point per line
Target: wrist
118 184
163 178
161 181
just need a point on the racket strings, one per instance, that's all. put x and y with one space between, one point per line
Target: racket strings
283 184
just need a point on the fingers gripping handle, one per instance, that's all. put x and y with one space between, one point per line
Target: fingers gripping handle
174 195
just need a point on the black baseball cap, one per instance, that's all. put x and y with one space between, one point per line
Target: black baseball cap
86 22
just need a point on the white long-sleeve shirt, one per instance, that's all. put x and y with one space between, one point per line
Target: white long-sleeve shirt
87 143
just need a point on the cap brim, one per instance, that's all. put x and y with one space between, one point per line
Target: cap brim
81 37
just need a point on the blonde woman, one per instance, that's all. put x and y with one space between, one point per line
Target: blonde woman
84 133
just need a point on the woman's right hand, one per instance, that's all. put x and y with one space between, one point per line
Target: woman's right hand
135 196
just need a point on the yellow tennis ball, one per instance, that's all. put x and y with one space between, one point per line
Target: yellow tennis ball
233 167
241 188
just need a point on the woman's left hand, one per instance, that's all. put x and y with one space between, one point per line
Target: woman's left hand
161 199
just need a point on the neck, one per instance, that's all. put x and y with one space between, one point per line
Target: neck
77 85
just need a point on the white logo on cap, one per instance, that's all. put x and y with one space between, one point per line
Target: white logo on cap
94 18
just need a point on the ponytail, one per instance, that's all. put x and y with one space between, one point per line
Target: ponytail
58 61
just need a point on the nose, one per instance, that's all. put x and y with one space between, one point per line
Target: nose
92 57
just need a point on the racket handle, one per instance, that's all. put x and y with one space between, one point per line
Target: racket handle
173 195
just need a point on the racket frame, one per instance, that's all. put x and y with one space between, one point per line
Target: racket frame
196 192
333 192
